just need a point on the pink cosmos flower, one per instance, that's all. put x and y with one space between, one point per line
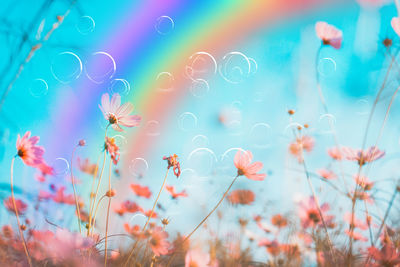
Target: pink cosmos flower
197 258
30 154
244 166
327 174
363 182
117 114
396 25
335 153
329 34
158 241
309 215
62 198
303 143
388 255
171 190
21 206
363 156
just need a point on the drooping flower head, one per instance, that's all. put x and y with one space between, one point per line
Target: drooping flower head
28 151
329 34
117 114
173 162
112 149
244 166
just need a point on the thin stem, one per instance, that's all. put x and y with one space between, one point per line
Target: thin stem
75 195
151 214
92 193
205 218
98 184
16 215
318 208
108 212
95 213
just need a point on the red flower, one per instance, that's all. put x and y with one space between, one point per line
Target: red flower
112 149
141 191
173 162
171 190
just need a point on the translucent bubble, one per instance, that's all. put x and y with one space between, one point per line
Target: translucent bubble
326 123
326 66
200 141
85 25
235 67
121 142
202 161
362 107
138 167
66 67
253 66
259 135
226 164
165 82
199 88
60 166
201 65
137 218
164 25
38 88
120 86
187 121
101 67
235 127
152 128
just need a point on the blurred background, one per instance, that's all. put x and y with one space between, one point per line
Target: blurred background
208 78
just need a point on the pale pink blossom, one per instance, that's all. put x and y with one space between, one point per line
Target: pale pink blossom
21 206
327 174
117 114
329 34
198 258
335 153
356 223
396 25
158 241
309 214
363 156
244 166
27 150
